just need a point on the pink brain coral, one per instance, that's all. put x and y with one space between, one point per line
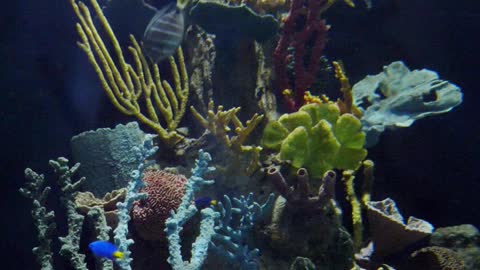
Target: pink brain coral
165 192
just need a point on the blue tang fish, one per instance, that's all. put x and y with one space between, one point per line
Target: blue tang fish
104 249
205 202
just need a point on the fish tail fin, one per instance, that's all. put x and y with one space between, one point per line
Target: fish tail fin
118 255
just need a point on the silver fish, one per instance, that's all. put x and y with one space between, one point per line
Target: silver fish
164 33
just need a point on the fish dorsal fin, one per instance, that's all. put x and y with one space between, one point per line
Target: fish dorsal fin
181 4
171 7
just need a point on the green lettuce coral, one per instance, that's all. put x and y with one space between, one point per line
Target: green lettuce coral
317 138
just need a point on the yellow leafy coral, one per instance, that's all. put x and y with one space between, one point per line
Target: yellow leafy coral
127 86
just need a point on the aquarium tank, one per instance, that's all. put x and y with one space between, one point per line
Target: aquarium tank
240 135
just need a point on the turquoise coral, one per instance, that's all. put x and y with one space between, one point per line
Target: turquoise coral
71 242
186 210
318 138
235 222
36 190
133 194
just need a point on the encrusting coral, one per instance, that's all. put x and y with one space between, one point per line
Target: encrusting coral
128 87
86 201
165 192
317 138
436 258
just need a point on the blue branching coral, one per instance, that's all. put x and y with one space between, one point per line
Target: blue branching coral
134 186
233 226
71 243
36 190
185 211
224 230
38 193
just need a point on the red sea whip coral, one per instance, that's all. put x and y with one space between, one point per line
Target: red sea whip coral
300 46
165 192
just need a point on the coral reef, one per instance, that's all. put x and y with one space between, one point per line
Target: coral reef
318 138
36 191
71 243
130 86
200 48
463 239
397 97
219 18
108 156
44 222
133 194
389 232
86 201
218 123
165 192
138 198
436 258
300 196
184 212
299 36
308 225
234 223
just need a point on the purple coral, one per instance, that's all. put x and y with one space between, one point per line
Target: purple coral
165 191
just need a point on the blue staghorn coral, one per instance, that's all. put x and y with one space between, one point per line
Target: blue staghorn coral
234 223
134 186
185 211
217 229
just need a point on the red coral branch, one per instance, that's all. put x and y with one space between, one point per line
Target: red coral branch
306 34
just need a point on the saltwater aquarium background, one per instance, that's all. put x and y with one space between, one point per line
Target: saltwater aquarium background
50 93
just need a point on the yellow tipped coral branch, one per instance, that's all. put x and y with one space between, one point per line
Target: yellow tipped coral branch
218 124
309 98
368 178
357 223
129 85
346 105
357 205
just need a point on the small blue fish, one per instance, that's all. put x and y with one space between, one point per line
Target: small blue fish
164 33
104 249
205 202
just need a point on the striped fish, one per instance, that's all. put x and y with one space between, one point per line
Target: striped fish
164 33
